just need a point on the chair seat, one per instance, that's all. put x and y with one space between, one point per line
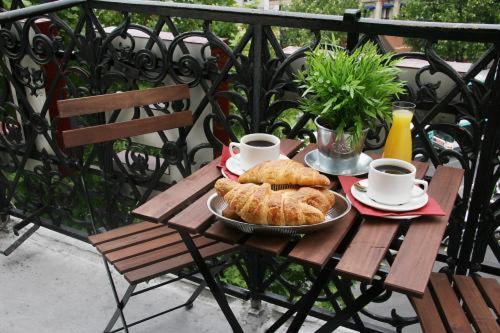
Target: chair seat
147 250
460 306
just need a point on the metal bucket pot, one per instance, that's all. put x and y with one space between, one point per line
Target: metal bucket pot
338 153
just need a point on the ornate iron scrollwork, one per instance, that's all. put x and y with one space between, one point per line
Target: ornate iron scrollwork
254 75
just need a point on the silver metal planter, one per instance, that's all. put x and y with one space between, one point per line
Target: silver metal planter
338 153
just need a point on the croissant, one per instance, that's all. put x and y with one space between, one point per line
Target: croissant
259 204
284 172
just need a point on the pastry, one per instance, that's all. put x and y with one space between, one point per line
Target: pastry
259 204
284 172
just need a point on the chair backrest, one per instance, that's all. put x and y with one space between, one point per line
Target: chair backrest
111 102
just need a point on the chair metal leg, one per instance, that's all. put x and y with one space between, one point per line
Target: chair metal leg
194 295
212 284
348 298
308 299
124 302
119 304
359 303
20 240
29 219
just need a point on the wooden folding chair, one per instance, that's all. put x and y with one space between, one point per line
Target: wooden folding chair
144 250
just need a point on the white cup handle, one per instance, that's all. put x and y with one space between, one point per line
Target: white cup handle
424 184
232 145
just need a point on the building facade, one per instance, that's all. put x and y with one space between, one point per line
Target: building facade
381 9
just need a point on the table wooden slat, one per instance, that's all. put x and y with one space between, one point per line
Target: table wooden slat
478 311
363 256
426 310
275 244
271 244
194 218
218 230
490 288
180 195
412 267
316 249
449 304
289 147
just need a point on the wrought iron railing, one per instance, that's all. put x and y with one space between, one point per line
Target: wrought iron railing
61 49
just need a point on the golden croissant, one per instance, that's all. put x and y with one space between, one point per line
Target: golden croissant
259 204
284 172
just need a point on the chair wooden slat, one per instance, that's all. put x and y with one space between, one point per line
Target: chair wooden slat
479 313
218 230
490 288
122 232
364 254
175 198
144 247
196 217
456 320
316 249
426 310
124 242
120 100
150 258
412 267
175 263
107 132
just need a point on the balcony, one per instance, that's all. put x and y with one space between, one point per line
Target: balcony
240 82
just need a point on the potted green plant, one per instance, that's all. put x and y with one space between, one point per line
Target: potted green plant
348 93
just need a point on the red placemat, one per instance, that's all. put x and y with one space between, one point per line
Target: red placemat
225 155
431 208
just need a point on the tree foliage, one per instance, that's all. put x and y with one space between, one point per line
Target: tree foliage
470 11
300 37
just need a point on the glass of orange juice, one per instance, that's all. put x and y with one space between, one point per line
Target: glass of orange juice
398 144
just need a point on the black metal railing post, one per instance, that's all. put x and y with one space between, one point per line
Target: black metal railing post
351 17
257 51
476 224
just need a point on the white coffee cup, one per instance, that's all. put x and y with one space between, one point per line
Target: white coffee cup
389 188
252 154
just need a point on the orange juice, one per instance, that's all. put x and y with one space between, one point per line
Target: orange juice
398 144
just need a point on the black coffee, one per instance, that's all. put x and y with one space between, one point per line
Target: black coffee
260 143
393 169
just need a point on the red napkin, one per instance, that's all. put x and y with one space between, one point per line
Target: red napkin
222 164
431 208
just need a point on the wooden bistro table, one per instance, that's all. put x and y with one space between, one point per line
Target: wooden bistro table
184 207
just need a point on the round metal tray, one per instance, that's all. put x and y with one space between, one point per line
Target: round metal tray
216 204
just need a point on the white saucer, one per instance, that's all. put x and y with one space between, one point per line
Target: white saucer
414 203
406 217
233 164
